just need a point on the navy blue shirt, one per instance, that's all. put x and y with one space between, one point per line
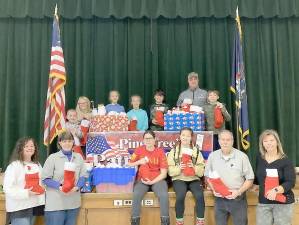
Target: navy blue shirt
287 178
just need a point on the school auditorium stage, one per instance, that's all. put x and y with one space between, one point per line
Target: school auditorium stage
114 209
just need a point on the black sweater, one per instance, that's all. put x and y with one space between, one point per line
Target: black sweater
287 178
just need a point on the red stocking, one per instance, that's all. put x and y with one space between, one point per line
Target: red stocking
217 184
186 160
32 180
186 108
84 128
69 176
271 182
187 102
132 125
218 118
78 149
159 117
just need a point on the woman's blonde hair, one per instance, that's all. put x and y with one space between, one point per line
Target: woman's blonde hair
80 112
274 133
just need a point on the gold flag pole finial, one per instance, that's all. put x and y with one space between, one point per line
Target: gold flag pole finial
238 22
56 11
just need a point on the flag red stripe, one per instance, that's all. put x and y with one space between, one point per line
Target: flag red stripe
57 62
56 52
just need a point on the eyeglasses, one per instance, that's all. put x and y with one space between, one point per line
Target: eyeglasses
149 138
67 141
81 103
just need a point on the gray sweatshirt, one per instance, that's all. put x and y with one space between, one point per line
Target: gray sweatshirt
209 116
198 97
54 169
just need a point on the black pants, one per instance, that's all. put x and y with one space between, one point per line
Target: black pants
216 145
181 187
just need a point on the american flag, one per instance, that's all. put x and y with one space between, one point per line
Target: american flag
55 106
97 145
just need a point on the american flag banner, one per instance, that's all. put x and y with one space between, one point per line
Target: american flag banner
109 154
123 152
54 122
97 145
238 88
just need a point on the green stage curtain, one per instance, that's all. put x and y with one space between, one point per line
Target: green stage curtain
271 57
268 8
137 9
138 56
87 9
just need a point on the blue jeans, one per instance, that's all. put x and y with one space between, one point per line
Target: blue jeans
61 217
23 221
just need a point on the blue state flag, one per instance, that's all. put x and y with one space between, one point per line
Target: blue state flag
238 87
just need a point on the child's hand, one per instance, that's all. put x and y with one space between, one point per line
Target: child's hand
254 188
190 164
216 194
154 121
73 131
220 105
32 192
146 181
142 161
183 166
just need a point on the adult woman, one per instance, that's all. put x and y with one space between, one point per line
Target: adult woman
83 108
186 166
152 172
275 175
22 183
63 174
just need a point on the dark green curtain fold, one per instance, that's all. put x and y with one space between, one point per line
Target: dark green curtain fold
137 9
268 8
271 56
136 56
87 9
24 63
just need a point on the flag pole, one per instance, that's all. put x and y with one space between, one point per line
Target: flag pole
237 126
237 101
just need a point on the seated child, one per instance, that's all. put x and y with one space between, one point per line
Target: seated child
114 106
159 106
72 125
215 115
138 114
